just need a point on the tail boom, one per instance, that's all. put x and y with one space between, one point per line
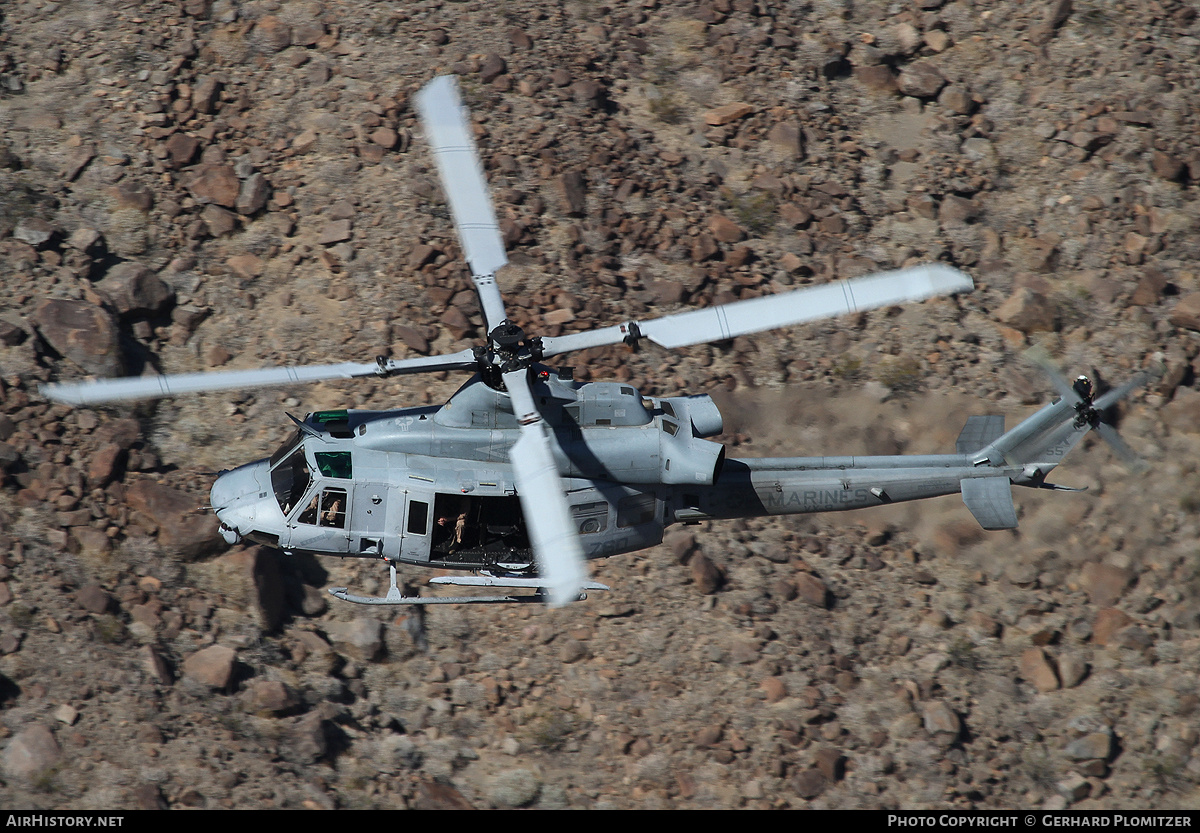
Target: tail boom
989 461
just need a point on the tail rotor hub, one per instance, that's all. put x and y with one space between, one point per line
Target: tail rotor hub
1088 415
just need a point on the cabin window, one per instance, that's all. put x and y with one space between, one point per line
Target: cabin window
334 464
418 517
636 510
326 509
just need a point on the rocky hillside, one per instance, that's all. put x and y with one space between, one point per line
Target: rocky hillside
198 184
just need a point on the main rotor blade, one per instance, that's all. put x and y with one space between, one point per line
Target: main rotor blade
448 131
772 311
555 543
152 387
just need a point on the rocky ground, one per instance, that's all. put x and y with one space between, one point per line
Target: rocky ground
189 185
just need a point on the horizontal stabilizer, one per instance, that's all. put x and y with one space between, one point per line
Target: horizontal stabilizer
979 431
990 501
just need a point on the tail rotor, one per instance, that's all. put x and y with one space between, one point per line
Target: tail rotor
1091 410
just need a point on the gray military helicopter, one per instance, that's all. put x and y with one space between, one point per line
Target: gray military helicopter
525 474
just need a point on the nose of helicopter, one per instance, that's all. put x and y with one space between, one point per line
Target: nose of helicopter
239 497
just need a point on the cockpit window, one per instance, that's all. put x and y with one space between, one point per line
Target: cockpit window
287 448
290 480
334 464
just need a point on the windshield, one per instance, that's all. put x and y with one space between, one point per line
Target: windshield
287 448
290 479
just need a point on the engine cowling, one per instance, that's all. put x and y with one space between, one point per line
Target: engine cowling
692 460
686 456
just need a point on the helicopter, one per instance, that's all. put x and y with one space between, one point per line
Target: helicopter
525 474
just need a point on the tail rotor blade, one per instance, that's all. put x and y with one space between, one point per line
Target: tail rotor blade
1128 456
1117 394
1108 433
1042 359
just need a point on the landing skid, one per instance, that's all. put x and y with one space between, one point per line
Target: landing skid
395 597
340 592
489 580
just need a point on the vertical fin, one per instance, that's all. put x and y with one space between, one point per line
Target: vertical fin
979 432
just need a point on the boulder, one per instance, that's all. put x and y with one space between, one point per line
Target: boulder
82 332
212 666
217 184
31 753
135 290
180 527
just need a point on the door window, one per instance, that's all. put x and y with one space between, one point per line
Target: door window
418 517
290 479
327 508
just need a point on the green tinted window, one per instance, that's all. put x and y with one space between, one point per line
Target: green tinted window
334 464
331 416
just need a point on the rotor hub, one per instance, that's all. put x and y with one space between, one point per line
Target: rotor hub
1085 413
506 337
508 349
